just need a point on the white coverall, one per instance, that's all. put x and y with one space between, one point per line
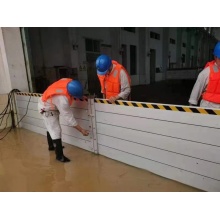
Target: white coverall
200 87
52 111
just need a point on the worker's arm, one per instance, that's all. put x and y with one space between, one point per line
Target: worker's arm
80 129
199 87
62 105
125 88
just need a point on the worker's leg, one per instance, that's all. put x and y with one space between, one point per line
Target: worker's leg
52 124
59 151
50 142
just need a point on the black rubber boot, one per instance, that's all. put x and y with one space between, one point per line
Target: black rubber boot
59 151
50 142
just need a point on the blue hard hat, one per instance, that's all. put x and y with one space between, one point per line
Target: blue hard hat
217 50
103 63
75 89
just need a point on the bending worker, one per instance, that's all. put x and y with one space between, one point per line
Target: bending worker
207 85
55 101
114 79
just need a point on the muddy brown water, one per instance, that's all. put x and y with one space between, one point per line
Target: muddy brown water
26 165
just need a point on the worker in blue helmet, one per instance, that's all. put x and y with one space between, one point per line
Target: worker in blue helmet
55 101
114 79
207 86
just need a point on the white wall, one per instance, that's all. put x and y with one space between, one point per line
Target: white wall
12 70
5 81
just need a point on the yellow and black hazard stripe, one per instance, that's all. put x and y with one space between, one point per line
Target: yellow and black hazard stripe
39 95
163 107
29 94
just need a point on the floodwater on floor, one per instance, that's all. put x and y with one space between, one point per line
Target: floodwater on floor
26 165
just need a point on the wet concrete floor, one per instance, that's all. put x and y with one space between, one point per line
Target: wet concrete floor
26 165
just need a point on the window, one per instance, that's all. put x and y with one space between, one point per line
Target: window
129 29
154 35
133 60
92 45
192 47
184 45
172 41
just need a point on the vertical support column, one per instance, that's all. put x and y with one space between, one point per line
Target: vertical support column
5 81
196 47
74 44
188 47
165 51
142 57
147 55
13 73
179 46
202 60
92 122
28 58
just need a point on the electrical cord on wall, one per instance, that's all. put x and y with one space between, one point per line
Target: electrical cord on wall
7 111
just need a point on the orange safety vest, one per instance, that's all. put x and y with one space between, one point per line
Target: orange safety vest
212 93
58 88
209 63
110 83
